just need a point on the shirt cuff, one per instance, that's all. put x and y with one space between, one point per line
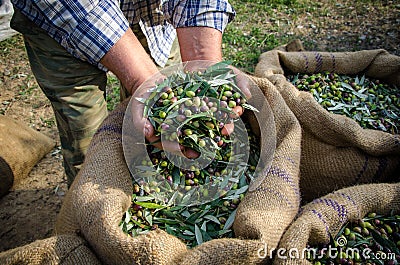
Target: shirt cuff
212 13
216 20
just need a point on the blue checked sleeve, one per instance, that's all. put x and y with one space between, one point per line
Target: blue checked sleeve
86 29
206 13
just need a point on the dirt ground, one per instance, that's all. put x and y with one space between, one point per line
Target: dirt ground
28 212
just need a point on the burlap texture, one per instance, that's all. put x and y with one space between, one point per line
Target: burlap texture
21 147
266 212
6 177
100 195
325 216
336 152
65 249
304 132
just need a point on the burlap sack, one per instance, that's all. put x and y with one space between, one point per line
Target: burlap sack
336 152
65 249
21 148
377 64
323 217
101 194
6 177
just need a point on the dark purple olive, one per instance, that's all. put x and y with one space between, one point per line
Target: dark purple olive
204 108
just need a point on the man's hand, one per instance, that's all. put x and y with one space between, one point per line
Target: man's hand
143 97
142 123
128 60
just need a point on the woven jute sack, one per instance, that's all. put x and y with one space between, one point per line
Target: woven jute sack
21 147
64 249
101 193
336 152
323 217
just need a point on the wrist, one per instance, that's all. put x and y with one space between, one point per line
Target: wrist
200 43
144 74
128 60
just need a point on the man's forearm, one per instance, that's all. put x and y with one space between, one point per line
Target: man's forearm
128 60
200 43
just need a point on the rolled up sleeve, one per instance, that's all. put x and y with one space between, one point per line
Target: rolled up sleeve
209 13
97 32
86 29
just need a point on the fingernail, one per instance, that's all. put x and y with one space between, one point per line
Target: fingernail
147 129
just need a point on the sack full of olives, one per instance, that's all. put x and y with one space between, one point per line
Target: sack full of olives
348 106
354 225
137 203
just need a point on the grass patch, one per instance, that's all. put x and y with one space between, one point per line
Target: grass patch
257 28
48 122
244 48
11 45
262 25
112 91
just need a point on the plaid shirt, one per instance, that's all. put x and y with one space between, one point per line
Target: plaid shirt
89 28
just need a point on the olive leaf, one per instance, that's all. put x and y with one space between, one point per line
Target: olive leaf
385 242
199 236
149 205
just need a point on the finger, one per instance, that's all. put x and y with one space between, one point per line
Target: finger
180 150
242 81
141 124
190 153
236 112
137 108
244 85
172 147
153 139
228 129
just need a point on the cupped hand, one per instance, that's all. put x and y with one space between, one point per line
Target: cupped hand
242 81
147 129
143 124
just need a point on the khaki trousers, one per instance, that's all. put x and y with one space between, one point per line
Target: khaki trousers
76 89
